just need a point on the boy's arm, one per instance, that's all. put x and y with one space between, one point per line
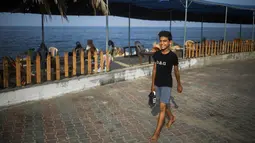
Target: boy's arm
177 74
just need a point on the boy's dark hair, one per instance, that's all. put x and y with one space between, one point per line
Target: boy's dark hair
165 34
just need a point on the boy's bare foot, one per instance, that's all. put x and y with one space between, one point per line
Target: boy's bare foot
155 137
170 122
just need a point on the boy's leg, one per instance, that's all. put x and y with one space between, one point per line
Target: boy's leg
164 100
160 121
171 117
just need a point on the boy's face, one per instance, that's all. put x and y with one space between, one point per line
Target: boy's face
164 42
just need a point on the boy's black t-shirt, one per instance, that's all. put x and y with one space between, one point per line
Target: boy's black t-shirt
164 65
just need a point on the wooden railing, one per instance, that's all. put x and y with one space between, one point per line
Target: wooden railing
211 48
20 72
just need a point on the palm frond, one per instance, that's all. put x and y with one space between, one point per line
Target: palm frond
46 6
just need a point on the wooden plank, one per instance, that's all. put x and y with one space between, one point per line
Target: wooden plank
96 62
28 69
206 48
74 63
82 62
233 47
215 48
197 52
200 50
193 50
66 64
101 61
203 49
186 51
48 67
89 62
228 49
18 71
107 61
209 48
242 47
5 73
38 69
57 67
221 47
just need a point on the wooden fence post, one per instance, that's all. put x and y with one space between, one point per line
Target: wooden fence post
5 73
82 62
203 49
48 67
209 48
95 62
107 61
38 68
66 66
89 62
28 69
74 63
101 61
57 68
197 52
18 72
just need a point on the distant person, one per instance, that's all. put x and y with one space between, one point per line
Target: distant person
111 47
164 60
91 47
53 51
43 52
78 48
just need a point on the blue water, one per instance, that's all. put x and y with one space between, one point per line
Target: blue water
15 40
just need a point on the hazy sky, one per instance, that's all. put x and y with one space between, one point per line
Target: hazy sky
8 19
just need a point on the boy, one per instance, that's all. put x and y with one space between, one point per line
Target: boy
164 60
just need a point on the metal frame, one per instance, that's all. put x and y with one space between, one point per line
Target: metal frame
225 25
202 29
253 17
170 26
187 4
107 26
129 15
42 16
240 31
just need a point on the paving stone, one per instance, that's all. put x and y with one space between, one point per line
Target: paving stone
217 105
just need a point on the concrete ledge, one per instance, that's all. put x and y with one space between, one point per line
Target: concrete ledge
57 88
212 60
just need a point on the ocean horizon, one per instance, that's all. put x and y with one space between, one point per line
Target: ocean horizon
16 40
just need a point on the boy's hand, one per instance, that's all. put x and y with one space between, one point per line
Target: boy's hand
179 88
152 88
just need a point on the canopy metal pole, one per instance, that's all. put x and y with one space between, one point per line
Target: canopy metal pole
225 25
202 29
107 28
240 31
186 12
170 28
42 28
253 17
129 31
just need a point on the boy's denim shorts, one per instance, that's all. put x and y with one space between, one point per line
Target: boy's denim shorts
163 93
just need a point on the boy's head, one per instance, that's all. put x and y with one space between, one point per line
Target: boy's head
165 39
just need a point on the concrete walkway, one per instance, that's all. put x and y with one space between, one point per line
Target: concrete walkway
217 105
